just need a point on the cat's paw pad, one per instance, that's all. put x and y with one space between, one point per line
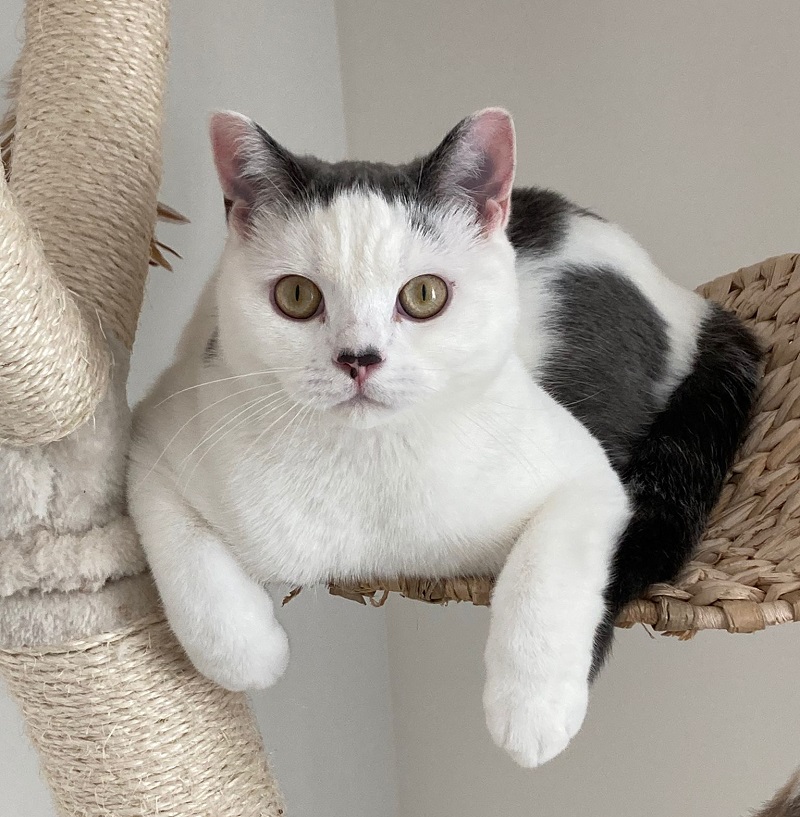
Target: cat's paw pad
534 722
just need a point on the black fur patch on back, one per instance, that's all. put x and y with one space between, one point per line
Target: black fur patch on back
675 473
539 219
610 355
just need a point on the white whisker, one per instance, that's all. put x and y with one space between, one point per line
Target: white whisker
226 419
191 419
272 404
300 410
225 379
255 442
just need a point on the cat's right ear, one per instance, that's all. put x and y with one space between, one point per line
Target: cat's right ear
253 168
475 164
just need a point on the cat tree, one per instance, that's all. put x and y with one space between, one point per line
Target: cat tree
122 722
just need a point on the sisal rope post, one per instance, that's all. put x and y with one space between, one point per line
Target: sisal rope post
125 727
86 162
122 722
54 364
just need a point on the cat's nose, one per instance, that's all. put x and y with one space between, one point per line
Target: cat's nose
359 365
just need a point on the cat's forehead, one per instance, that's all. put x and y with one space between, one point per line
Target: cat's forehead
358 223
361 236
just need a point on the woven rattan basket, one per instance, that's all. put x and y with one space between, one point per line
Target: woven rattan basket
746 572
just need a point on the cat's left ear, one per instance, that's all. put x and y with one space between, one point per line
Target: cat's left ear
475 163
254 170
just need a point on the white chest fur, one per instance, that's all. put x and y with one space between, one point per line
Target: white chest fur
301 500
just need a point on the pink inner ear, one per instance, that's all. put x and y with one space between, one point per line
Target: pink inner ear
230 134
490 137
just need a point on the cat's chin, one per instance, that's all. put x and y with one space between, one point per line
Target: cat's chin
362 412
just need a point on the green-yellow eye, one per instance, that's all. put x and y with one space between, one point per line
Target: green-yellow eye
297 297
423 297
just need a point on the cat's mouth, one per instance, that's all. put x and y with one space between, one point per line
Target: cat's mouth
361 399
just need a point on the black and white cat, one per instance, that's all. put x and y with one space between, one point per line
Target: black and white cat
416 370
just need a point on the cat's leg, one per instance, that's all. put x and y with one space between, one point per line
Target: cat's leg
546 607
224 620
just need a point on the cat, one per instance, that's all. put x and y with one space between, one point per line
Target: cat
416 369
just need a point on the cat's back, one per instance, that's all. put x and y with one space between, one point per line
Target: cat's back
602 329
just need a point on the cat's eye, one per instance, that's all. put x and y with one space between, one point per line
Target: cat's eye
423 297
297 297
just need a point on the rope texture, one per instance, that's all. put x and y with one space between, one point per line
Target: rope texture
123 724
54 364
86 161
75 238
746 572
125 727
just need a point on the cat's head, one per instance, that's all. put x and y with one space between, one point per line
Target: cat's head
369 289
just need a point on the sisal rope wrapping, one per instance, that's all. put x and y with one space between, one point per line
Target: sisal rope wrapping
85 173
745 575
54 364
86 161
125 727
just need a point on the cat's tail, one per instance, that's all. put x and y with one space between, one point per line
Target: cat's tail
786 802
676 473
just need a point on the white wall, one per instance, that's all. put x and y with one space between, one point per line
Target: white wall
328 722
681 121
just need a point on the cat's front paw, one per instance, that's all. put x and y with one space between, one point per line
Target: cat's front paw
533 721
245 662
242 647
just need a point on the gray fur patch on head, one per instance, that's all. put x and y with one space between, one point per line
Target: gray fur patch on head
470 166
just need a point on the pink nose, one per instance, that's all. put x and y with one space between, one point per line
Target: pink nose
359 366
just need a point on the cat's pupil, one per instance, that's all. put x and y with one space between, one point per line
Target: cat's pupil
424 292
297 293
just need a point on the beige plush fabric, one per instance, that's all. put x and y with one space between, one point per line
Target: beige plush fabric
47 562
36 620
64 532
